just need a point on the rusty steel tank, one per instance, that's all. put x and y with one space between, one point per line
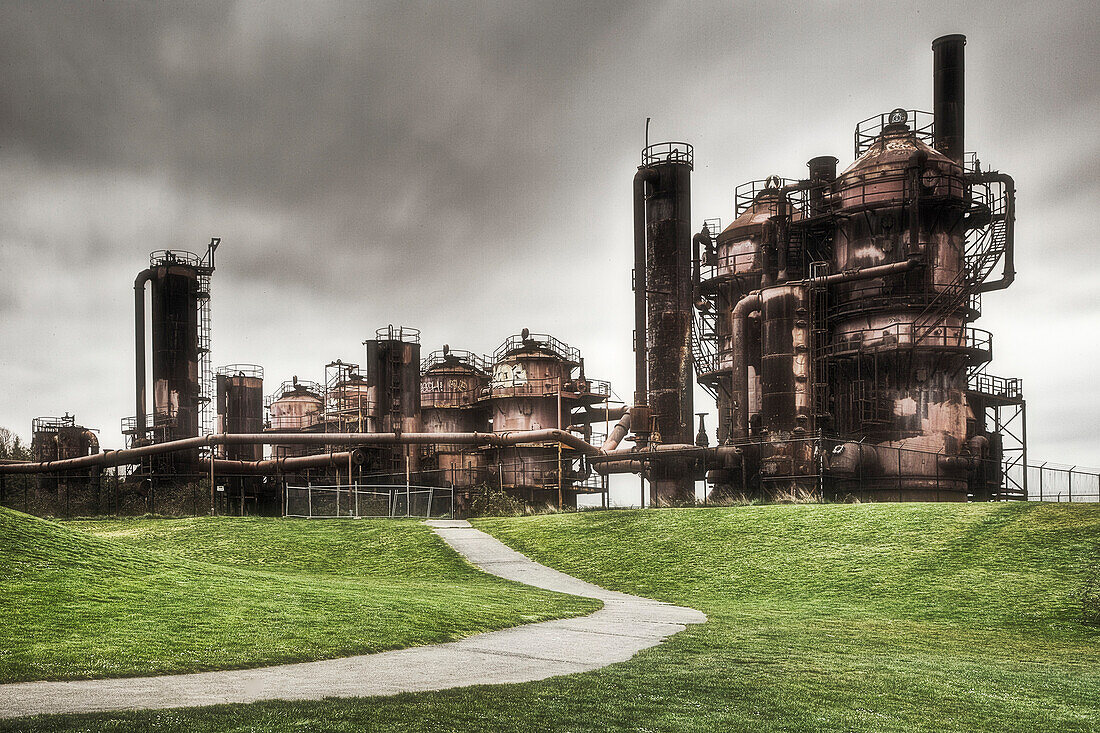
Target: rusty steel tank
532 388
733 270
393 381
296 406
349 400
174 279
452 386
57 438
240 407
71 492
900 343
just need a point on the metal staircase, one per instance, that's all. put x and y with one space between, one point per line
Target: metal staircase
986 244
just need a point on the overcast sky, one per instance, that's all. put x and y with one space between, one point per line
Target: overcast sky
465 168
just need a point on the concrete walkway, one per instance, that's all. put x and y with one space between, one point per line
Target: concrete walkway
623 627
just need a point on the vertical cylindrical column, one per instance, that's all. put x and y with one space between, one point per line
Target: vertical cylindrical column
784 374
393 379
240 407
669 303
822 174
948 101
175 334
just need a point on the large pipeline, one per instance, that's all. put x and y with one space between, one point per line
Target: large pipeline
284 465
134 455
739 372
641 375
139 349
703 239
617 433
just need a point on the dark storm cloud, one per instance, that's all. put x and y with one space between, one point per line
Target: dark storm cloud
465 167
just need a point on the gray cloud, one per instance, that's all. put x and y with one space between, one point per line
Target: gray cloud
464 167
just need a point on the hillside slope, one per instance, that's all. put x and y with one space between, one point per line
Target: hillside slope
902 618
76 605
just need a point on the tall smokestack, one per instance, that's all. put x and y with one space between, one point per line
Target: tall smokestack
948 72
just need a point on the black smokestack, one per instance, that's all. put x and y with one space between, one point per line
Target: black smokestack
948 79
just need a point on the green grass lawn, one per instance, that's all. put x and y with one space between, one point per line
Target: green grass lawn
874 617
156 596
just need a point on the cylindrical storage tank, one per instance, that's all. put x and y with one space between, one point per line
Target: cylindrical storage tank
785 368
351 406
451 399
786 459
58 438
529 375
669 287
175 344
900 344
739 270
393 380
68 493
297 406
901 199
240 402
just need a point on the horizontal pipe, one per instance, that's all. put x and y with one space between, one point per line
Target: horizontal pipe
588 417
655 451
866 273
289 463
622 465
134 455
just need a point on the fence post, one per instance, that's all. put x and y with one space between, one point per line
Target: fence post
1071 483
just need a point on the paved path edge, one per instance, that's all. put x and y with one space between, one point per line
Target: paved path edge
624 626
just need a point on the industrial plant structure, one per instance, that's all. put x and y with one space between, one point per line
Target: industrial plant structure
833 317
830 320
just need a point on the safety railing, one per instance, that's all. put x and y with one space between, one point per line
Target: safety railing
519 386
398 333
893 187
868 130
540 341
1010 388
747 193
911 336
241 370
458 357
669 152
40 424
174 257
293 423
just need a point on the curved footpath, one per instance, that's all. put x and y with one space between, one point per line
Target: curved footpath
623 627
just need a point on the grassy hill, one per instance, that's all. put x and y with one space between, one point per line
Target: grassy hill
875 617
165 595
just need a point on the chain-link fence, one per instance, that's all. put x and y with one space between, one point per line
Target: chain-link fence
353 501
